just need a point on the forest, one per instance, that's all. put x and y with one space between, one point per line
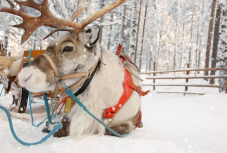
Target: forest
169 33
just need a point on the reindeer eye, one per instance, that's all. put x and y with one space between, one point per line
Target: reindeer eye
68 49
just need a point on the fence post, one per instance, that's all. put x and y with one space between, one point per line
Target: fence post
154 76
187 73
226 85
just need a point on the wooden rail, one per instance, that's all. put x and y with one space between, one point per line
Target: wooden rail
183 85
188 70
182 93
196 77
208 69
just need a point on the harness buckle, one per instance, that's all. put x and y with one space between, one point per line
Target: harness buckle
57 78
139 90
88 74
53 103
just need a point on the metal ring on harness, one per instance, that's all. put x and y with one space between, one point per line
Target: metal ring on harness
88 74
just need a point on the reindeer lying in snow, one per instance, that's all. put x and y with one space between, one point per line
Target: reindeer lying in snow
71 54
76 52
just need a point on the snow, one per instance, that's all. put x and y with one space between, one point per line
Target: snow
173 123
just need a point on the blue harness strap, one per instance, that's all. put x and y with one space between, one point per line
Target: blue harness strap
2 90
26 143
45 100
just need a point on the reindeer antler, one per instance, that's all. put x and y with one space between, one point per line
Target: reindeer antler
31 23
79 10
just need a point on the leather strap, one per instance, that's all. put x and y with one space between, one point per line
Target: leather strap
55 69
139 120
82 80
137 89
84 75
75 75
87 82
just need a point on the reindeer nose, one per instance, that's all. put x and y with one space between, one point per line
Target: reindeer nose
28 78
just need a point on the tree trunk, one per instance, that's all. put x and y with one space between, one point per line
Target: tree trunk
144 26
197 43
176 40
200 41
182 46
215 42
210 36
190 47
133 25
101 5
123 27
222 53
111 20
5 41
138 29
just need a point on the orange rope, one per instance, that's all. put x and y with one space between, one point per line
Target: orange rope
63 103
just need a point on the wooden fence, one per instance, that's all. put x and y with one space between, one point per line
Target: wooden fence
186 85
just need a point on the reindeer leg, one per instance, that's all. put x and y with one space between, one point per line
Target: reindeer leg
9 86
64 131
122 128
125 127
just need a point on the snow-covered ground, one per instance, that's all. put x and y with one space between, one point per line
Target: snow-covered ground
173 123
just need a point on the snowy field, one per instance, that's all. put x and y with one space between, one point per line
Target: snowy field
173 123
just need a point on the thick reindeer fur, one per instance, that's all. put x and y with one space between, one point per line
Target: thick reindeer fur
103 92
10 65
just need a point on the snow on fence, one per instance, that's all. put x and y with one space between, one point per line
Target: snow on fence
188 70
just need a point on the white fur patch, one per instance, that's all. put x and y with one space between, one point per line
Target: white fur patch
33 79
14 69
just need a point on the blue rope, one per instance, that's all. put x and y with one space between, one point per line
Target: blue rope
13 108
48 109
29 97
45 99
2 90
29 56
25 143
69 92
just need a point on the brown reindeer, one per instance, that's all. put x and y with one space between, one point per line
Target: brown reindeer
75 57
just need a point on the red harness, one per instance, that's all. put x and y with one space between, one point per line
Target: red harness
129 87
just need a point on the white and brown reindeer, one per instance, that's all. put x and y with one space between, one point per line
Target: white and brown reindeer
78 51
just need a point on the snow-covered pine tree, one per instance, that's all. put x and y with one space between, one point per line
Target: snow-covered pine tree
222 50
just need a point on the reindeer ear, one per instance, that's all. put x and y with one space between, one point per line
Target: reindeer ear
91 35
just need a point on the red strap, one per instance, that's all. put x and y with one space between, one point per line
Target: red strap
128 87
137 89
118 50
109 112
138 121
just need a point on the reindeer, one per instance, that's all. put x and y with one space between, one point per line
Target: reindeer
77 52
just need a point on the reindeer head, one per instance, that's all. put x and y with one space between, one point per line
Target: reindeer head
71 53
75 51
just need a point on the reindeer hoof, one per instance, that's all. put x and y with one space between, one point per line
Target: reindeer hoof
140 125
64 131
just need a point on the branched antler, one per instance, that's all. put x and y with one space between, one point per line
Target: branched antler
31 23
79 10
